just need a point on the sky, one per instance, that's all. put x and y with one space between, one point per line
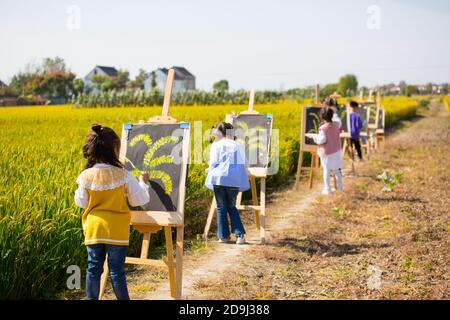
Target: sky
254 44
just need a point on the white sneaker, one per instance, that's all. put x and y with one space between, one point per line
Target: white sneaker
240 240
224 240
326 192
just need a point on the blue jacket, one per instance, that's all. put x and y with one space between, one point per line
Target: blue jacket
227 166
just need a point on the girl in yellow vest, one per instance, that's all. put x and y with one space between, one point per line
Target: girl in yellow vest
103 190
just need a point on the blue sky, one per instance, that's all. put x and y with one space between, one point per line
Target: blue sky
253 43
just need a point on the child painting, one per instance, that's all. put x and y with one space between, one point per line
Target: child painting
329 149
355 128
227 176
104 187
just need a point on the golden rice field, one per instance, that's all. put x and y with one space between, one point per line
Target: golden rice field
447 102
40 227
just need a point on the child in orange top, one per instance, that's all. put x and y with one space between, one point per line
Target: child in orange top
103 190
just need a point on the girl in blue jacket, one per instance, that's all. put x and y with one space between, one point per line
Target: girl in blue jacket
227 176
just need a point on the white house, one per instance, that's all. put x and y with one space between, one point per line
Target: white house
183 80
109 72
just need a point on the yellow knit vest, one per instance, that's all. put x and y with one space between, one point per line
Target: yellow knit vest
107 217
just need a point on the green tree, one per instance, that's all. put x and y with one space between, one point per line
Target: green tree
123 78
78 86
328 90
429 88
98 79
21 83
109 84
53 64
348 85
56 84
50 78
138 82
411 90
221 85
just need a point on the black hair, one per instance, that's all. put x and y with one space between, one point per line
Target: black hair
225 128
331 102
354 104
326 114
102 144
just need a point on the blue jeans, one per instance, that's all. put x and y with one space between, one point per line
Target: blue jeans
116 264
226 204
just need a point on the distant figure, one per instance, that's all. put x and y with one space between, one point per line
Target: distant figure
355 128
332 103
227 176
329 149
104 187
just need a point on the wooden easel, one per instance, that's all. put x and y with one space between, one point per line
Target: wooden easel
148 222
379 132
365 146
347 148
259 210
312 149
372 127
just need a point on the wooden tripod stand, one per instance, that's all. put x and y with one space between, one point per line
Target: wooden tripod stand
149 222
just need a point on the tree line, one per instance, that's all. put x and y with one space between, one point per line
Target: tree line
51 79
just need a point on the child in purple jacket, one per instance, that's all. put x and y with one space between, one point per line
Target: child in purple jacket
355 128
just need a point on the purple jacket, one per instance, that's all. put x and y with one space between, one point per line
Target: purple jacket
355 125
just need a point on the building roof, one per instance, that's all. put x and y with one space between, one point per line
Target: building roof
181 73
110 71
2 84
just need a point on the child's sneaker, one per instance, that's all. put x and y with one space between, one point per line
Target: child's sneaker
326 192
240 240
224 240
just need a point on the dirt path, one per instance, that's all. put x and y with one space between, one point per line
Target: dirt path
225 257
328 247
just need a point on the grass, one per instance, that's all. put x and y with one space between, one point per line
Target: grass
40 227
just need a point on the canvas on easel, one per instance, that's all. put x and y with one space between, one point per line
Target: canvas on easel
346 137
310 125
253 130
159 147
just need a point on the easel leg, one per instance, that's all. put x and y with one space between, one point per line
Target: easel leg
344 148
262 216
179 263
367 147
169 249
209 219
145 245
255 200
351 153
299 170
376 141
104 278
311 173
239 199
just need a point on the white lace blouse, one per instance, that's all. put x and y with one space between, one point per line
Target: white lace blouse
137 192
